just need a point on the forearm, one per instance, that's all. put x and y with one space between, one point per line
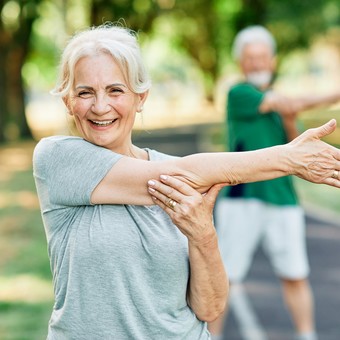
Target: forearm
208 286
310 102
202 171
289 123
291 106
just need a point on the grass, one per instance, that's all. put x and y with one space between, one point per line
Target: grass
26 297
26 294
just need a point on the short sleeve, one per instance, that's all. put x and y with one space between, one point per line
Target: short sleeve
244 101
67 170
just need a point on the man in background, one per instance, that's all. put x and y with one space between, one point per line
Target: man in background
265 212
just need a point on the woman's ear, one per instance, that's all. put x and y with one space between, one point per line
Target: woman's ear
142 99
66 101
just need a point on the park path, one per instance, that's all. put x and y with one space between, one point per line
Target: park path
262 316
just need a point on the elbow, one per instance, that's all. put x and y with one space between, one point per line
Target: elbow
211 313
209 308
210 316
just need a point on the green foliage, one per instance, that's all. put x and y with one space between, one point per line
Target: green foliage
32 32
26 297
204 30
24 321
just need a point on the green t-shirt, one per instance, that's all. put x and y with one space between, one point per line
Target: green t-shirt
248 129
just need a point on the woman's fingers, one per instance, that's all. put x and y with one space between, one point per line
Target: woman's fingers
325 129
160 192
165 196
171 187
212 193
333 179
315 160
188 209
171 193
320 131
180 186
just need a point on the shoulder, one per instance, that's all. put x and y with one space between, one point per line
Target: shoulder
48 148
51 144
67 150
243 88
47 143
245 95
58 140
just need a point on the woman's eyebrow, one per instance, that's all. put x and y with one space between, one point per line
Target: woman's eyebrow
107 87
115 84
83 87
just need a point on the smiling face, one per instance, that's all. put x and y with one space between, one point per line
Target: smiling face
102 104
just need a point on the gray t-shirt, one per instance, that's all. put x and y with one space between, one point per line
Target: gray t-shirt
119 271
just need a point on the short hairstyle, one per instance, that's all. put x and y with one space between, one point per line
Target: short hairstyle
252 34
119 42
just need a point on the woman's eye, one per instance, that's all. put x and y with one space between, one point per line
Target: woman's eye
84 94
116 90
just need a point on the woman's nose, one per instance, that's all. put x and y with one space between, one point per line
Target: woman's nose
101 105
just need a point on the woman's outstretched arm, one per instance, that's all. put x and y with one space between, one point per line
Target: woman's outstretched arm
307 156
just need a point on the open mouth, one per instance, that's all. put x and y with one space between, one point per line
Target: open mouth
102 123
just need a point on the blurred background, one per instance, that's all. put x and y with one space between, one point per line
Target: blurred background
186 46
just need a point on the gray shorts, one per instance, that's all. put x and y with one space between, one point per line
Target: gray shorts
243 224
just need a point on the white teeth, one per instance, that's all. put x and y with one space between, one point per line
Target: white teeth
102 123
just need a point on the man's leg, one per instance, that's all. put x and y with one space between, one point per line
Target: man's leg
298 297
285 243
216 327
238 237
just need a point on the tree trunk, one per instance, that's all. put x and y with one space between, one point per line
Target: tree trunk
14 46
3 101
4 40
16 93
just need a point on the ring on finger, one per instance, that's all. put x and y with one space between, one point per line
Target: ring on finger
335 174
171 203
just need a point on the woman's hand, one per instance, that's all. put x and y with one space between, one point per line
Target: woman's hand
313 159
189 210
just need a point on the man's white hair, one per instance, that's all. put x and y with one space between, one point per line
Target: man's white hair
252 34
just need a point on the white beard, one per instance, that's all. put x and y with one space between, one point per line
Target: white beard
259 79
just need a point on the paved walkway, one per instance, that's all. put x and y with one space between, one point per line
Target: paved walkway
259 312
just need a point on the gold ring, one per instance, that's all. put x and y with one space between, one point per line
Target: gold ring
335 174
171 203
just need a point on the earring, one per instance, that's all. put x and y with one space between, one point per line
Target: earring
141 109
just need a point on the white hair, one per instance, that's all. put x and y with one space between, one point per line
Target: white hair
252 34
119 42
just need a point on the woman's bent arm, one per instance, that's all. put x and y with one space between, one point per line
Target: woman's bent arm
207 290
208 284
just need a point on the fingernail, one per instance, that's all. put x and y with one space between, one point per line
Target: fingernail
152 190
151 182
164 177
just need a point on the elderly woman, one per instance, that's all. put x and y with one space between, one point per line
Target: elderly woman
131 241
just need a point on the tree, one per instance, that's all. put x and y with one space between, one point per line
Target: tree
205 29
16 22
202 29
196 25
